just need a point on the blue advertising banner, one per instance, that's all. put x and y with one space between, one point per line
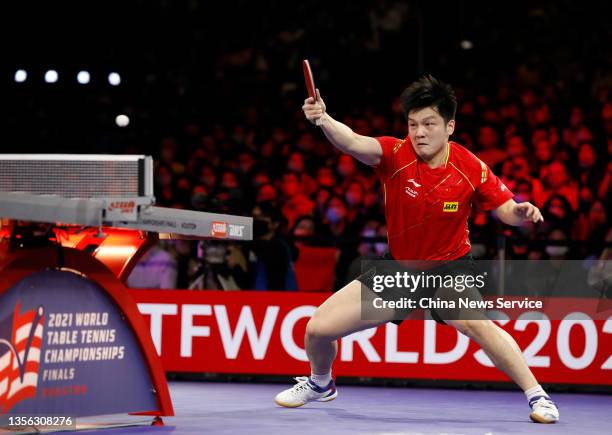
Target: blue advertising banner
66 348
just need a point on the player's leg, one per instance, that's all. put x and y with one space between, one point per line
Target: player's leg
338 316
507 356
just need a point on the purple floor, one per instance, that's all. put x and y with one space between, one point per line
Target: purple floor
222 408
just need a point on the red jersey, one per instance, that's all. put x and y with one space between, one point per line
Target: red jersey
427 210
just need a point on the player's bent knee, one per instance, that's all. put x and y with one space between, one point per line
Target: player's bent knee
471 328
317 329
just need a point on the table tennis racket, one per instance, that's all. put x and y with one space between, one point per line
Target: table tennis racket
310 86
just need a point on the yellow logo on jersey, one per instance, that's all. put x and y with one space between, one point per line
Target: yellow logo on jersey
450 207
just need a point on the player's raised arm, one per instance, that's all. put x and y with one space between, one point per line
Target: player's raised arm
364 148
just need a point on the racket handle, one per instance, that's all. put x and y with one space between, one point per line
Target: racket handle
319 122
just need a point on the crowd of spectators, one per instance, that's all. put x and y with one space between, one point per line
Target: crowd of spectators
548 135
228 134
561 163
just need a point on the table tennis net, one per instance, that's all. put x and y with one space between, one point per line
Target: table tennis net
88 177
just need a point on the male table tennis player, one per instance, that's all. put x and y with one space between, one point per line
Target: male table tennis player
421 175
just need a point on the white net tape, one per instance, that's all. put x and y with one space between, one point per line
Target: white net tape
71 178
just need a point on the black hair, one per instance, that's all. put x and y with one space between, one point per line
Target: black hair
335 196
430 92
525 182
302 218
270 210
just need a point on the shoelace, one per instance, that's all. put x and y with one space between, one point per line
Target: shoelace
545 403
301 385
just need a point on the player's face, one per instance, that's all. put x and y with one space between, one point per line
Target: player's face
428 132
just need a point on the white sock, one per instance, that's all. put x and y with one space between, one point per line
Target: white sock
535 391
321 380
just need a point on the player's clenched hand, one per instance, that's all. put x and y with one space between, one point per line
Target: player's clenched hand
314 109
529 212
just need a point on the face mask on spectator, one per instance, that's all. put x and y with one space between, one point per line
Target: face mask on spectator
380 248
334 214
556 251
366 246
368 233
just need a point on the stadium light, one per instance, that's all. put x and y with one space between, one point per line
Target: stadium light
114 79
51 76
21 75
83 77
466 44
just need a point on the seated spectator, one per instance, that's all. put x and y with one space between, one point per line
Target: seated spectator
336 216
346 167
229 180
271 257
295 163
199 198
488 144
557 212
515 146
354 197
260 177
321 197
208 177
369 247
523 190
164 185
246 163
266 193
522 170
182 192
295 202
228 201
557 182
604 190
557 251
304 227
542 151
338 225
325 177
588 173
168 156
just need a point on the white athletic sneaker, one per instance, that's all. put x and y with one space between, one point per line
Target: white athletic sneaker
306 391
544 410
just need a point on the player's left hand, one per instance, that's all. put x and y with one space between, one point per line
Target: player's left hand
529 212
